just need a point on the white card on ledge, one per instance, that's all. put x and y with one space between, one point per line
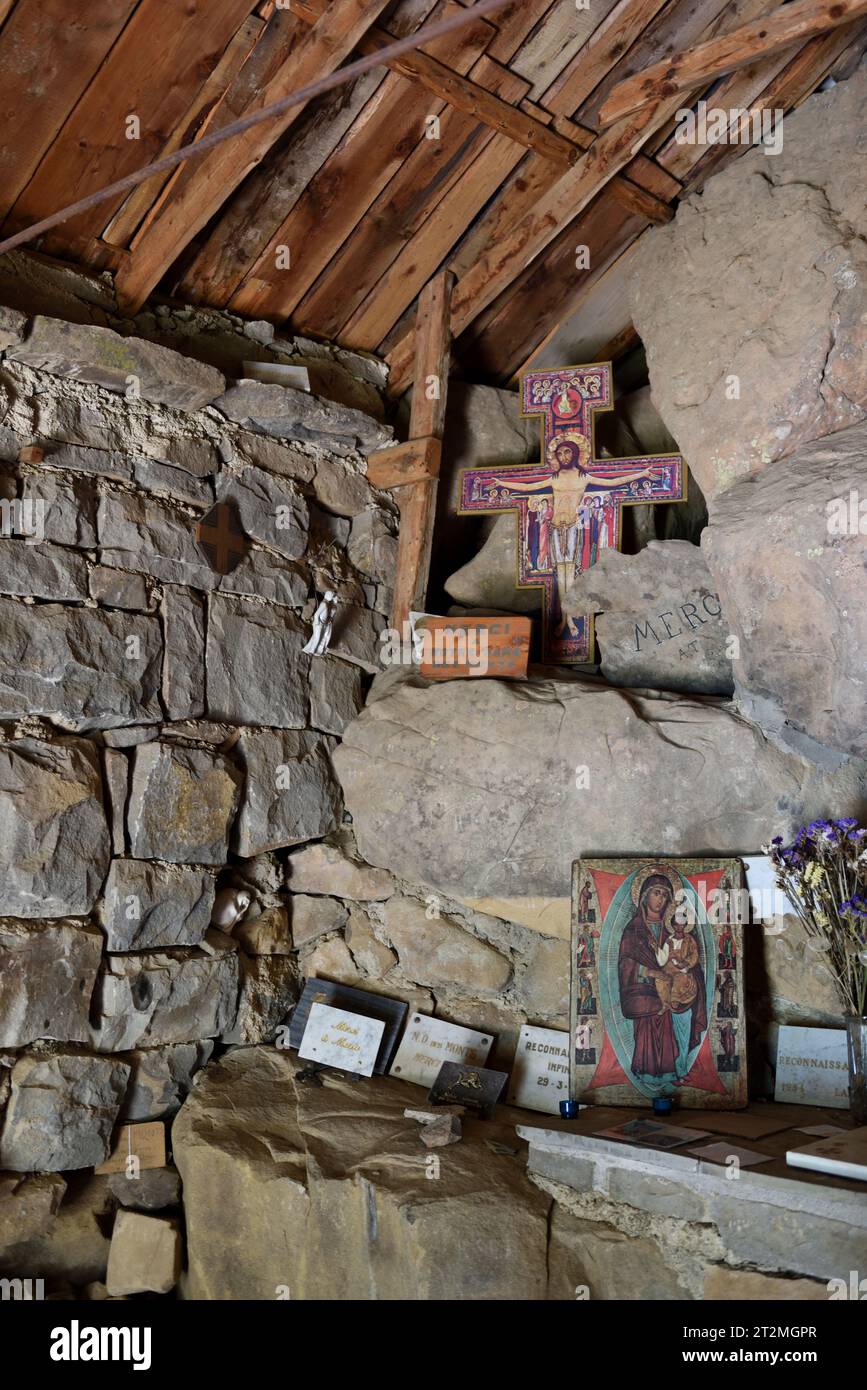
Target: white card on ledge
540 1072
812 1067
338 1038
428 1042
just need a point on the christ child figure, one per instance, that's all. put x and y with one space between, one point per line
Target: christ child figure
675 983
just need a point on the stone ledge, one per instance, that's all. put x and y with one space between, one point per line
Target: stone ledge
806 1228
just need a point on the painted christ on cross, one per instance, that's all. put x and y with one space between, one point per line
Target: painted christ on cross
569 506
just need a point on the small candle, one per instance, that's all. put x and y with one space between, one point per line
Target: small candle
569 1109
662 1105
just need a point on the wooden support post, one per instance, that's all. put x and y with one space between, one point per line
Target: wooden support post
421 459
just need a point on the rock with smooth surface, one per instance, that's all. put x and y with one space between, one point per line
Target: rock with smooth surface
335 693
659 622
61 1111
490 578
312 917
535 772
54 839
788 550
763 347
281 1182
182 803
145 1255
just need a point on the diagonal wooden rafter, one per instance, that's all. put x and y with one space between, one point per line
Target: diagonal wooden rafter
321 50
460 91
793 23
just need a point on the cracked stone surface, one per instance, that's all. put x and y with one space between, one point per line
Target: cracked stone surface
356 1215
793 591
500 762
771 297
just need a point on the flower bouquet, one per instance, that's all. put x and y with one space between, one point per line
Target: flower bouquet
823 873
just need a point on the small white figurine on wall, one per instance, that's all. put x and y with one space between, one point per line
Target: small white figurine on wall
230 905
323 620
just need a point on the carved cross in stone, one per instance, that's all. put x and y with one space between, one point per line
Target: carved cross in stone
569 506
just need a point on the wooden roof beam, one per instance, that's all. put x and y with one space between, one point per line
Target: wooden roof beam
791 24
460 92
219 172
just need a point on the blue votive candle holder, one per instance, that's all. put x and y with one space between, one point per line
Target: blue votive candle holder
662 1105
568 1109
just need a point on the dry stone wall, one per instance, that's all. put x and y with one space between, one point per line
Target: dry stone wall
162 732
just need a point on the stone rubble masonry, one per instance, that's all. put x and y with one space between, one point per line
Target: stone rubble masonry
159 720
127 365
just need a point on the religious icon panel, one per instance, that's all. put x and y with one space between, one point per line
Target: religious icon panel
657 996
568 507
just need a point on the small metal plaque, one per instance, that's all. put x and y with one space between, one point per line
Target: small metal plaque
428 1042
390 1012
338 1038
476 1087
540 1075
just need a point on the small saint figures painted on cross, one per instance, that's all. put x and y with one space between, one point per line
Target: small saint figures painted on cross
569 506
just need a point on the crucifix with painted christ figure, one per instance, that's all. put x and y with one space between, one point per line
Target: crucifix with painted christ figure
569 505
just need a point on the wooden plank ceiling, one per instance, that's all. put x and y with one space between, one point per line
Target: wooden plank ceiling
484 154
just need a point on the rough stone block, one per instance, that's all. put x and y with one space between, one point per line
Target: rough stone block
149 999
119 589
42 570
67 507
145 1255
312 917
47 974
184 663
84 667
271 510
335 694
246 638
149 905
290 792
181 805
269 988
439 952
61 1112
54 840
334 868
105 358
283 413
161 1079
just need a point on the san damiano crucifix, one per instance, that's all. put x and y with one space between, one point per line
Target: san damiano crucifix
569 506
